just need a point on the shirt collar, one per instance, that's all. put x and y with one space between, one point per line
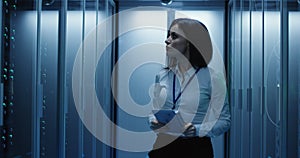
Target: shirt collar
188 73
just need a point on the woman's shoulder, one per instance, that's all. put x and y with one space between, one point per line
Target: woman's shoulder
208 71
217 76
210 74
204 70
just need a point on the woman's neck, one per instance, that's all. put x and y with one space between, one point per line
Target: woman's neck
184 63
183 67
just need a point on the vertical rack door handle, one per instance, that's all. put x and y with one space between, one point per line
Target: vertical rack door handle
249 99
279 101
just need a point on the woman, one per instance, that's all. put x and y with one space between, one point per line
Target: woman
188 94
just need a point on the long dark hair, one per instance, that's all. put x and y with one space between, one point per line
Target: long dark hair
199 40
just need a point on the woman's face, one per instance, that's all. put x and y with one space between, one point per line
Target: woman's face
175 43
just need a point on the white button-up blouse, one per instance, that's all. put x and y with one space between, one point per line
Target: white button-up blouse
203 100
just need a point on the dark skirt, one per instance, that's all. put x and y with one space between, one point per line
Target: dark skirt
182 147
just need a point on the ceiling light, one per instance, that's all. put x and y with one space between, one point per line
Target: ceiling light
48 2
166 2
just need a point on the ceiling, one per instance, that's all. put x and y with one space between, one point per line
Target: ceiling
182 4
74 4
176 3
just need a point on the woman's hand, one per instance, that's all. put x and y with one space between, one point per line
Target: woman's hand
190 130
155 125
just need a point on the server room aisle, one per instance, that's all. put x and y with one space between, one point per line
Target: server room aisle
76 75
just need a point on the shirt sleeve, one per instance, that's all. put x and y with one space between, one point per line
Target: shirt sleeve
220 126
217 119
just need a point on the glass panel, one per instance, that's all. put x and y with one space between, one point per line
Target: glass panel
246 81
82 21
103 75
73 122
89 25
233 141
236 80
271 79
75 35
257 76
48 83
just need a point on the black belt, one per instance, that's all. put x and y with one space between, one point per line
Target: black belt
168 136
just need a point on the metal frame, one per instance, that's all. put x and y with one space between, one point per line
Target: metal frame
114 57
227 64
284 77
1 83
36 83
61 77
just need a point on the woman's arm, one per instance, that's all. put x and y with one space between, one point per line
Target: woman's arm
217 127
217 119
